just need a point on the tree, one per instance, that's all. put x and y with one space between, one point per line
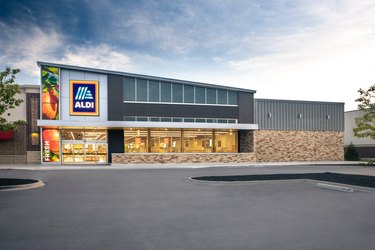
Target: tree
365 125
8 89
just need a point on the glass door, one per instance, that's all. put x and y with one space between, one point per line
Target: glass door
90 153
102 152
67 153
84 152
78 152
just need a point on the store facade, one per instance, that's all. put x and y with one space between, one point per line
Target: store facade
92 116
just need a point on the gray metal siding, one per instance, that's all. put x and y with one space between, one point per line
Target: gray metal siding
285 115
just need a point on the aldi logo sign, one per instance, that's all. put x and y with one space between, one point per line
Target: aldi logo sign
84 97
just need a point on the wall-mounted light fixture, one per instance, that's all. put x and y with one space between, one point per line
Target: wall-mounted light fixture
299 116
328 117
269 115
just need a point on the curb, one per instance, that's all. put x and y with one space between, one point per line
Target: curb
37 184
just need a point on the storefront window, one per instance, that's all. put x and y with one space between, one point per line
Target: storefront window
226 141
197 141
86 135
135 141
178 140
165 141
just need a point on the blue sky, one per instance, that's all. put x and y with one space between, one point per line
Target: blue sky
305 50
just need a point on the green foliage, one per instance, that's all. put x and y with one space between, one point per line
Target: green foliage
351 154
8 89
365 125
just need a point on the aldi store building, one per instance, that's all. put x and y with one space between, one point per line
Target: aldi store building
93 116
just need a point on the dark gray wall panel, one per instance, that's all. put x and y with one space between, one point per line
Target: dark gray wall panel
246 107
284 115
115 97
170 110
115 143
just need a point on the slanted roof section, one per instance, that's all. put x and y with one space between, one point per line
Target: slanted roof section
157 78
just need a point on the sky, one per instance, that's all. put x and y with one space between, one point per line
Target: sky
317 50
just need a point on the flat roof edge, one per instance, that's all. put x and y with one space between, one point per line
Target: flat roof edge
300 101
105 71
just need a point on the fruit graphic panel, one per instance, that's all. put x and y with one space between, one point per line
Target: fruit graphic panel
50 93
51 145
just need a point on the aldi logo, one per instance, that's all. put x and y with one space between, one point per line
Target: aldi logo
84 97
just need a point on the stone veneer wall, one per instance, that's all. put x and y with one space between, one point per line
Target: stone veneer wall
280 145
129 158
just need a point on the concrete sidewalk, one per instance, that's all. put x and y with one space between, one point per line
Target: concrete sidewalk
170 166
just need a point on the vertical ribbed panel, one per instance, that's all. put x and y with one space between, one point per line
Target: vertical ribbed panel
285 115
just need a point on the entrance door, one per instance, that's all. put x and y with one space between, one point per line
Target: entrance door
84 152
78 152
90 153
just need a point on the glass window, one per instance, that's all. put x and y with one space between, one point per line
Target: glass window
200 95
166 92
177 119
165 141
165 119
226 141
154 91
232 98
129 118
222 121
200 120
95 135
154 119
211 96
135 141
222 96
176 141
142 119
129 89
188 94
211 120
177 93
87 134
188 119
197 141
141 90
72 134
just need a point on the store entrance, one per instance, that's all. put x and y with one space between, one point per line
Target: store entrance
82 152
84 146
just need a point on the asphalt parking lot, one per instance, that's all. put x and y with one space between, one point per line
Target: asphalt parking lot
161 209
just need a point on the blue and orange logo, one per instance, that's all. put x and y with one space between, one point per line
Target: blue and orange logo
84 97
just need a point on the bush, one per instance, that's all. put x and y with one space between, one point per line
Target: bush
351 154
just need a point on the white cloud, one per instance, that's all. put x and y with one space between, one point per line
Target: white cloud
101 56
23 46
327 62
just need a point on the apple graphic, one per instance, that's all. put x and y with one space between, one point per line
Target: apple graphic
53 136
50 104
